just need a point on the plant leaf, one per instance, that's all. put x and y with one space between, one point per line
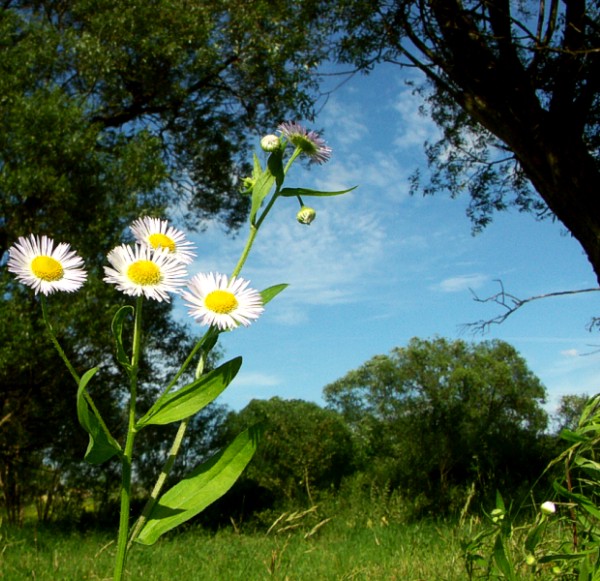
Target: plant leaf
265 180
581 499
293 192
117 331
270 293
102 446
203 486
190 399
501 559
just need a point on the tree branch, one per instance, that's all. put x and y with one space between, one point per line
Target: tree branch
510 303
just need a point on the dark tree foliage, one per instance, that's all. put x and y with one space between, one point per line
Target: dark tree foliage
514 87
305 450
436 417
108 111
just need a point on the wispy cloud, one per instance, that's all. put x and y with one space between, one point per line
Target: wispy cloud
570 353
413 127
324 263
247 379
462 283
346 122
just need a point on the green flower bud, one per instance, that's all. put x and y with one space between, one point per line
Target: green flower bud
497 515
530 560
306 215
247 185
270 143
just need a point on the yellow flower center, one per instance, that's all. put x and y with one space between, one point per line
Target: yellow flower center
144 272
47 268
221 301
159 240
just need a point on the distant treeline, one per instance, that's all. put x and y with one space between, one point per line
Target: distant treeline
439 426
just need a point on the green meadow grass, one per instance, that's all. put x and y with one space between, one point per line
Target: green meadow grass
338 550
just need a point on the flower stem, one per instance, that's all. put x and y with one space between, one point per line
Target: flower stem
164 473
66 361
55 342
247 247
175 446
128 452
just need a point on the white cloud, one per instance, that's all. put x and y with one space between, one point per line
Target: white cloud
324 263
254 379
462 282
346 122
570 353
414 128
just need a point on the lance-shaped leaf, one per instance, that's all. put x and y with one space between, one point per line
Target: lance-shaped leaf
203 486
102 445
264 180
502 562
190 399
293 192
270 293
117 330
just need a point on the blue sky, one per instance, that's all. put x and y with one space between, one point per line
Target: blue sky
378 266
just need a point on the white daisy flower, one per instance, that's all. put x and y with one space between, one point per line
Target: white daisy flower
157 234
46 269
140 270
213 300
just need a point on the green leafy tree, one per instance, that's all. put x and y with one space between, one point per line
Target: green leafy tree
437 416
110 110
305 450
569 411
513 86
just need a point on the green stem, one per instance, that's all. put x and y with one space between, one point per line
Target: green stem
160 482
128 452
254 227
292 159
249 243
55 342
66 361
166 470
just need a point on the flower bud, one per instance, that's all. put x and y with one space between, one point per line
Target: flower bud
548 508
497 515
270 143
306 215
530 560
247 185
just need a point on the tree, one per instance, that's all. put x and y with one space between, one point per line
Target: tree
440 415
110 110
305 450
570 411
514 88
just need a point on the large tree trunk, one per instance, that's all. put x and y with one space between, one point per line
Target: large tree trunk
491 84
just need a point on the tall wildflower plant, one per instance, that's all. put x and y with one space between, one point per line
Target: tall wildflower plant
562 541
155 268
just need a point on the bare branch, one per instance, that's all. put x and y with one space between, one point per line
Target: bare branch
511 303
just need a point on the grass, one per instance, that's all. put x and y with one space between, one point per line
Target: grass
337 550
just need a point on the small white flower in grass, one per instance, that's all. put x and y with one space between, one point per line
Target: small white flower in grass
46 269
139 270
310 142
213 300
157 234
548 508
